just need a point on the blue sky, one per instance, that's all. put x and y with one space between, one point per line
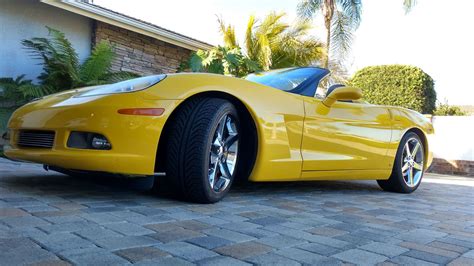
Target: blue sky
436 36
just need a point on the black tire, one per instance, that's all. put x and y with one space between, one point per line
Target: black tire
189 139
397 182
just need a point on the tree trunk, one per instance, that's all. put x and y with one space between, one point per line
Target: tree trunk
328 11
328 46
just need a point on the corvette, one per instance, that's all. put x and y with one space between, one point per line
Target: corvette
201 132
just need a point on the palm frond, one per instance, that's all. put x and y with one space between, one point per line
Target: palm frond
32 91
306 9
64 47
228 34
195 62
250 43
341 35
408 5
97 64
58 58
352 9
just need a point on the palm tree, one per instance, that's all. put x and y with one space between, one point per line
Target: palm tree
61 67
408 5
273 43
341 19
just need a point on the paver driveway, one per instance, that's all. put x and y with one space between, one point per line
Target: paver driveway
49 218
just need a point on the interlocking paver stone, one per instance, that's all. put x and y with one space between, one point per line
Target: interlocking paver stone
405 260
306 257
122 242
209 242
385 249
175 235
142 253
103 258
358 256
19 251
272 259
319 249
52 219
229 235
187 251
222 260
129 229
281 241
426 256
244 250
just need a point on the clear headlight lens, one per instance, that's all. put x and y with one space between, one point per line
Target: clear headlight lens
131 85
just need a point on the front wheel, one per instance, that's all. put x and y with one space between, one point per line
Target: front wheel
203 149
408 168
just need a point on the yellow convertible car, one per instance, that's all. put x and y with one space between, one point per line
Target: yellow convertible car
200 132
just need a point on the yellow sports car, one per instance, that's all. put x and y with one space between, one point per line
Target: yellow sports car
200 132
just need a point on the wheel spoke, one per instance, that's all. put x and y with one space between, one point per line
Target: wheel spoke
405 167
225 171
213 173
222 182
220 128
415 149
230 141
223 154
418 166
407 148
410 176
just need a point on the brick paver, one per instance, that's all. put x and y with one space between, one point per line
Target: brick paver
51 219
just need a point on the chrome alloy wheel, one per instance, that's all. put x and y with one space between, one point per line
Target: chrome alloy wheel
224 153
412 163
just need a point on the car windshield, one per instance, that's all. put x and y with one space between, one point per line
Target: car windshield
288 79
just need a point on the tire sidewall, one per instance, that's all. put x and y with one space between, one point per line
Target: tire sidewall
226 109
399 162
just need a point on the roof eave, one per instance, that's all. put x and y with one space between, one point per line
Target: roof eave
129 24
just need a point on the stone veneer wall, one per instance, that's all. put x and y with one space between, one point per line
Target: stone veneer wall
452 167
138 53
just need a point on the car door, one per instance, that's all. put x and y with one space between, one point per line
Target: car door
346 136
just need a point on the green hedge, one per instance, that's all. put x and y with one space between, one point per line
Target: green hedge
397 85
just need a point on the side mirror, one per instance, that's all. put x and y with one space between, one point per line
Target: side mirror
342 94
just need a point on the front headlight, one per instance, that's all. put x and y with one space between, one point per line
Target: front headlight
131 85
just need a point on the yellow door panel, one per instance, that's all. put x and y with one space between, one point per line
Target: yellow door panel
347 136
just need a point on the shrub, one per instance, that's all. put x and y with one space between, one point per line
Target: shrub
398 85
61 67
444 109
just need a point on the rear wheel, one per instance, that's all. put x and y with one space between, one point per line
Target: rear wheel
408 167
203 149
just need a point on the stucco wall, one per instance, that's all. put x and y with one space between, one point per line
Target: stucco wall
139 53
453 145
23 19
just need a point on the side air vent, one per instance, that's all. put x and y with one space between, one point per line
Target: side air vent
36 139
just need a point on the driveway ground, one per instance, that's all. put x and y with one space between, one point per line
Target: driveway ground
49 218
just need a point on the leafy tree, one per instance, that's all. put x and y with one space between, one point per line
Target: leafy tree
269 44
276 44
408 5
222 60
341 19
61 67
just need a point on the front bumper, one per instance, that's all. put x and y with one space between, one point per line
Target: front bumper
134 139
